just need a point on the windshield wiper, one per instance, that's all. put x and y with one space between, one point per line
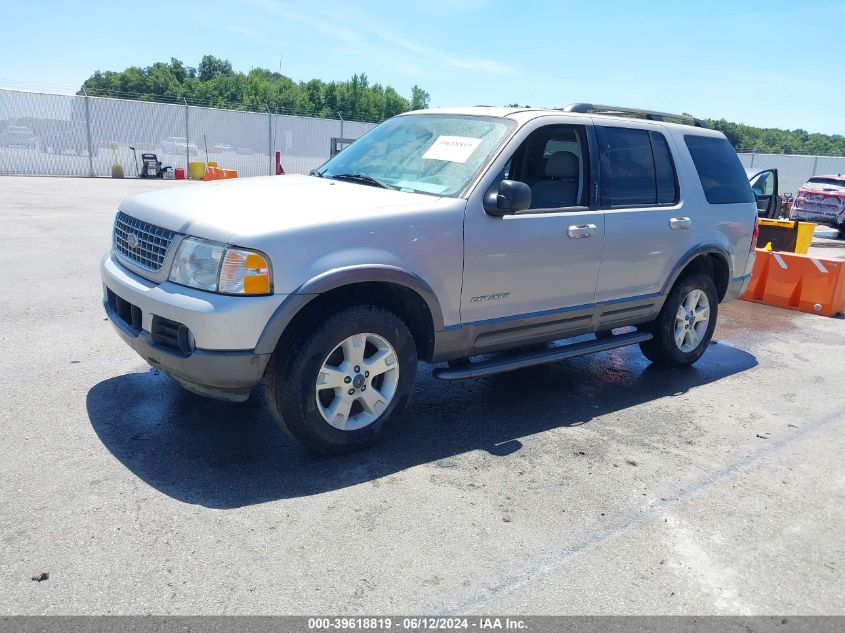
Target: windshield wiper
315 172
364 179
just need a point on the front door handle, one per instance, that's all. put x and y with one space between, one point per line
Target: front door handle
680 223
582 230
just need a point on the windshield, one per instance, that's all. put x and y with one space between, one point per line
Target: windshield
427 153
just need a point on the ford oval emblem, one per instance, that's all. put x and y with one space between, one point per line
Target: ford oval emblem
132 241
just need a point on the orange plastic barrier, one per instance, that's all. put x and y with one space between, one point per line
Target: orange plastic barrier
213 173
798 282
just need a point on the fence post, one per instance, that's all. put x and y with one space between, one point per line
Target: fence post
815 165
340 114
88 135
187 141
270 139
753 154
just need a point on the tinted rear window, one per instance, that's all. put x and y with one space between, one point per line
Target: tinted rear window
722 175
835 182
637 168
667 186
627 167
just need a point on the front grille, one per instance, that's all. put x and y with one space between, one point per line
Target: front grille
140 242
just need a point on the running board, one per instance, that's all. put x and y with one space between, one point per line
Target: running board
498 366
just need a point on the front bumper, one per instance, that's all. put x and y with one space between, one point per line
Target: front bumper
221 362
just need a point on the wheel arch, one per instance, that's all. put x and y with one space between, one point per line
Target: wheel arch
393 288
711 259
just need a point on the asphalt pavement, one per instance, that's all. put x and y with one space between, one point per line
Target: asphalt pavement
598 485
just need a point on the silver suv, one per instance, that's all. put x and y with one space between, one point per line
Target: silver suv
441 235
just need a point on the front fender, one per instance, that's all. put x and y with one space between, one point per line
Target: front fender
337 278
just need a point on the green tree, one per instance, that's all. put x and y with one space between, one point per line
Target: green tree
211 67
776 141
214 82
419 98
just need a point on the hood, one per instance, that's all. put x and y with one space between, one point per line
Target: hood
226 210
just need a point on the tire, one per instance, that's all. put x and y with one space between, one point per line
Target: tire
694 336
330 352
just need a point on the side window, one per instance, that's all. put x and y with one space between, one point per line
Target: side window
667 179
627 168
722 175
554 162
764 184
636 168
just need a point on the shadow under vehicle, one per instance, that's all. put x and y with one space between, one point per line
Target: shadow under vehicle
229 455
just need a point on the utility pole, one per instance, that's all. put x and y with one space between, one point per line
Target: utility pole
187 141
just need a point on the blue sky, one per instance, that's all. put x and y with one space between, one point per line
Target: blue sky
767 63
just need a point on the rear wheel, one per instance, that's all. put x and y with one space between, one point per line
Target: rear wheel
346 384
684 327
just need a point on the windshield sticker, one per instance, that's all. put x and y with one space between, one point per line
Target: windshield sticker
455 149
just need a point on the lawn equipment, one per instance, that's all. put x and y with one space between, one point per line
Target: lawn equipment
150 166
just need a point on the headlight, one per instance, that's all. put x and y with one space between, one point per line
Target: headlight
219 268
197 264
244 273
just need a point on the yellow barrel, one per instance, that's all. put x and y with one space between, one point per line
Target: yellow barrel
805 237
196 170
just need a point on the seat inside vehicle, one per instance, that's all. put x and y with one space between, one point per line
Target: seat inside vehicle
560 186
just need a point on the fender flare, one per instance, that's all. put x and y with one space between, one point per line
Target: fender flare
701 249
337 278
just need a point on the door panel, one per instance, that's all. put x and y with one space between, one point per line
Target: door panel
641 249
543 259
532 259
765 188
647 226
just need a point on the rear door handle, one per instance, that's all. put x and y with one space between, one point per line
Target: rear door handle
577 231
680 223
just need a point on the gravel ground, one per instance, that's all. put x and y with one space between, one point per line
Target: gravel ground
597 485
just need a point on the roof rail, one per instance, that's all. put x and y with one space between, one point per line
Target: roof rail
589 108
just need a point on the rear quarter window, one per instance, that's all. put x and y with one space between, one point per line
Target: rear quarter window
719 169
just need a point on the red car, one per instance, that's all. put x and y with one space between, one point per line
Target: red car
822 200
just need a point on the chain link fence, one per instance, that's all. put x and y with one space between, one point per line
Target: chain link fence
68 135
793 169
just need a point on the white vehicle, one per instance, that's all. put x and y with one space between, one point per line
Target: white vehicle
441 235
822 200
17 136
178 145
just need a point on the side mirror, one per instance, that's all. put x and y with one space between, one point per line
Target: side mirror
509 197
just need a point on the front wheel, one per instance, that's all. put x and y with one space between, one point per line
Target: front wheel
344 384
684 327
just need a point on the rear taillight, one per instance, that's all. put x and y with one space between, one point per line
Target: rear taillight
755 234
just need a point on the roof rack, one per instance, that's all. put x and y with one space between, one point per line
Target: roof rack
589 108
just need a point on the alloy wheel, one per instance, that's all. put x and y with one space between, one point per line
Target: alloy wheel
691 320
357 381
